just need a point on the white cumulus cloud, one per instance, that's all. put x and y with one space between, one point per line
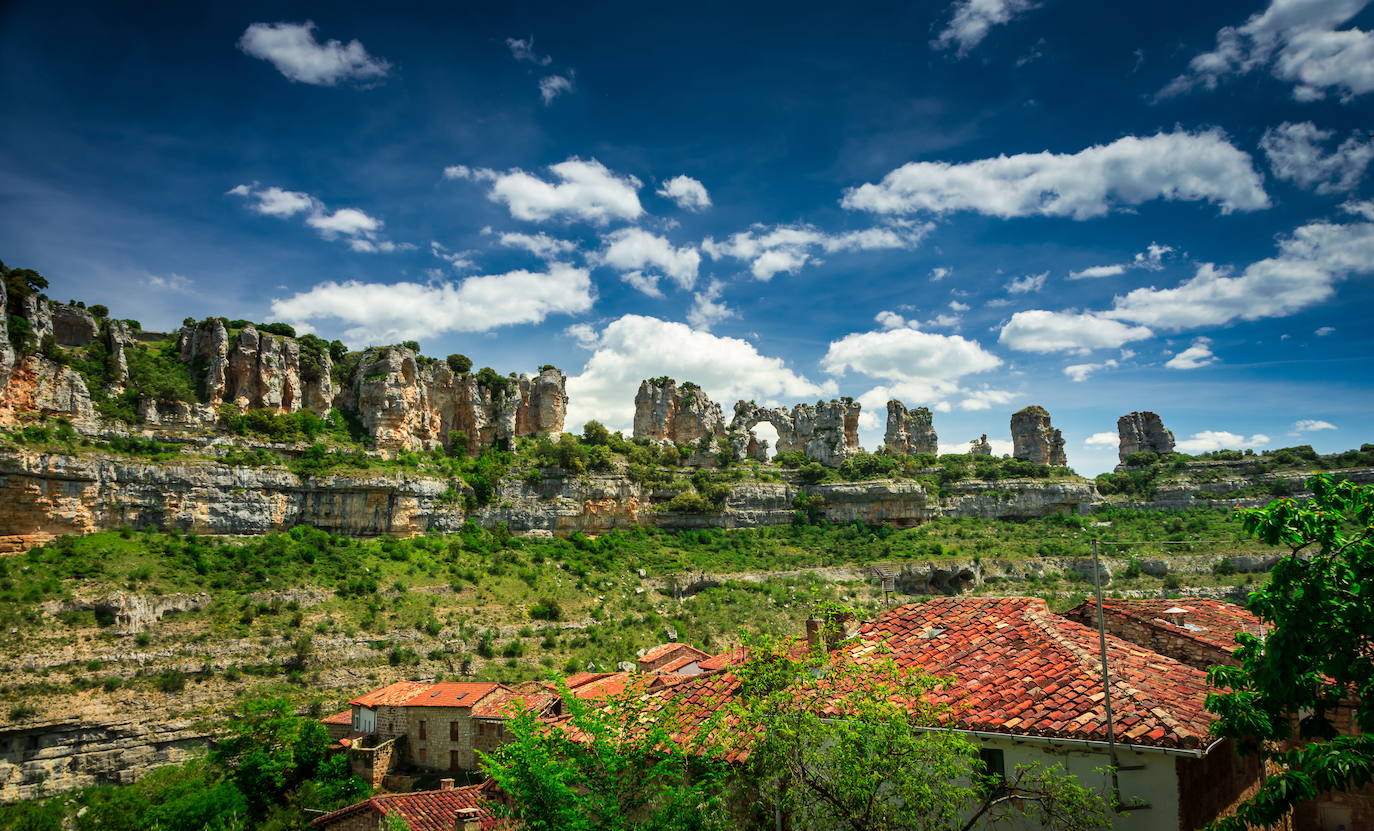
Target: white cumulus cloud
540 245
644 258
786 248
584 189
522 49
1038 330
1194 357
294 51
552 86
1311 425
361 231
1104 439
688 193
904 354
970 21
390 312
707 309
1209 440
1296 154
1081 372
1029 283
1177 166
1299 41
634 347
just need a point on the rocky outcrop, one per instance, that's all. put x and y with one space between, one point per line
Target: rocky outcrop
1143 431
909 431
39 386
73 326
263 372
118 340
132 613
1034 439
7 355
682 414
543 403
827 432
980 446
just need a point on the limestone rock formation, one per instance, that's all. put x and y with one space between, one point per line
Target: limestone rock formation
1143 431
118 339
6 349
409 404
827 432
682 414
980 446
37 385
73 326
909 431
1034 439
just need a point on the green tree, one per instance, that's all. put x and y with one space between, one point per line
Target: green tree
1316 657
269 750
842 746
611 765
460 364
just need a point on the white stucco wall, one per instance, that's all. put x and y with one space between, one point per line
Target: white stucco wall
364 719
1156 783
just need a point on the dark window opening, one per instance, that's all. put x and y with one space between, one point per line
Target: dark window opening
994 766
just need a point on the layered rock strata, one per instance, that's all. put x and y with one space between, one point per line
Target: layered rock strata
1143 431
1034 439
909 431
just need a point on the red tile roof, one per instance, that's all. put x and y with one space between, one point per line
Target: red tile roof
1020 669
677 664
1205 620
427 694
665 649
506 703
725 659
346 717
394 695
453 694
426 810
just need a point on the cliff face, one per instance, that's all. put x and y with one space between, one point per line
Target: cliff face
52 494
909 431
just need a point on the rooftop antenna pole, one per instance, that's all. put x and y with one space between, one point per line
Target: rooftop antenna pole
1106 675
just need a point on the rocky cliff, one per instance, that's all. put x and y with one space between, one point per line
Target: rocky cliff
1143 431
665 411
827 432
1034 439
909 431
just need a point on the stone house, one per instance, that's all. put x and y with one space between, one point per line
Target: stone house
677 658
430 726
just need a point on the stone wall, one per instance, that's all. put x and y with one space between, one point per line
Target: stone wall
1159 639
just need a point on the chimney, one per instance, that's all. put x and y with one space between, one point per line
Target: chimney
813 632
468 819
1178 616
838 628
445 784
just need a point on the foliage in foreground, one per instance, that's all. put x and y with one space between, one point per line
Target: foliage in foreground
1315 661
816 743
270 766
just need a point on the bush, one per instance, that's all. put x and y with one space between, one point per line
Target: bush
460 364
546 609
284 329
171 681
99 310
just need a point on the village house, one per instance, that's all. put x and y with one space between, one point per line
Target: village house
672 658
430 726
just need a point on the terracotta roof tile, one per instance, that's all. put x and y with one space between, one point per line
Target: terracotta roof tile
1205 620
665 649
426 810
346 717
452 694
1018 668
392 694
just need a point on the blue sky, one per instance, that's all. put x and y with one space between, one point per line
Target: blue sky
972 206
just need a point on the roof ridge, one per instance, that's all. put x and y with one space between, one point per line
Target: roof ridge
1137 696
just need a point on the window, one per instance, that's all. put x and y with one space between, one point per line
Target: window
421 754
454 733
422 731
453 760
994 765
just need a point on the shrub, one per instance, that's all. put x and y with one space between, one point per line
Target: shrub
171 681
460 364
99 310
546 609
